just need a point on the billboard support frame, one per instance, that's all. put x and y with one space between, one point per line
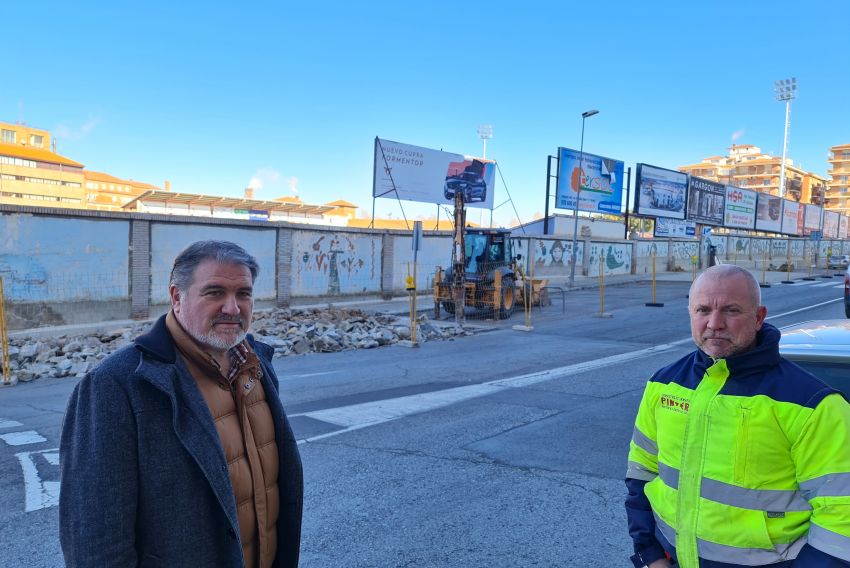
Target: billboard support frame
393 190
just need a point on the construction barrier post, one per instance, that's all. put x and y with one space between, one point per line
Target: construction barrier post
653 303
4 338
602 312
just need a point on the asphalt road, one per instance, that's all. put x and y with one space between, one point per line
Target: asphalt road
506 448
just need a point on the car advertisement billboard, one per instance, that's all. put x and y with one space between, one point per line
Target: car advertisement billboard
812 223
769 213
843 221
596 180
830 224
739 208
420 174
705 201
660 192
674 228
790 218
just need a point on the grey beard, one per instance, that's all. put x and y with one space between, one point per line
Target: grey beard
210 339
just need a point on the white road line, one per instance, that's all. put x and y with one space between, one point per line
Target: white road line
311 374
38 494
356 416
22 438
6 423
802 283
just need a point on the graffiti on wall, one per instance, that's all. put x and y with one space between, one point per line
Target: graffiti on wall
333 264
798 249
645 249
739 247
614 258
778 248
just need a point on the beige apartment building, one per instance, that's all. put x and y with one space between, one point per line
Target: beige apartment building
31 174
748 167
838 189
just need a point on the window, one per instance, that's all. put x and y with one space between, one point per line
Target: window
9 136
36 140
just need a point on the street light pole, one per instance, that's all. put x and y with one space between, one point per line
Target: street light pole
584 116
786 90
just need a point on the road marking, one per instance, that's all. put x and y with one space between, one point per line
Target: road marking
38 494
22 438
806 308
357 416
311 374
6 423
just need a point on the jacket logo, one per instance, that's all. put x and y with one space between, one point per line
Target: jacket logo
675 403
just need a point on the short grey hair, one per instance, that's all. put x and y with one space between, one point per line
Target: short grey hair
223 252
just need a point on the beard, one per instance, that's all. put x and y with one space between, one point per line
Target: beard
210 338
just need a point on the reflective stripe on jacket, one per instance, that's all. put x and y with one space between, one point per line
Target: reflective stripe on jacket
746 459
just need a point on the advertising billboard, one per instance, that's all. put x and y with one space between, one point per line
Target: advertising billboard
830 224
674 228
705 201
812 223
600 178
660 192
790 217
739 208
414 173
769 213
843 221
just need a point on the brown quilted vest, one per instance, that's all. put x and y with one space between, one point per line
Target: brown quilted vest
246 430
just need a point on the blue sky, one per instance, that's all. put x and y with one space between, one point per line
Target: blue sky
291 95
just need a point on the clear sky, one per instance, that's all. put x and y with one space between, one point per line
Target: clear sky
213 95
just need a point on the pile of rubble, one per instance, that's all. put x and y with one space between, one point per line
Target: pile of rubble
289 331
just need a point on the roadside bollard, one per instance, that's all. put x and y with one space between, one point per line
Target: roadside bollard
764 283
4 338
653 303
602 313
811 266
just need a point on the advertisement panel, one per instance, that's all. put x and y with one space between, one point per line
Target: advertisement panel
790 214
660 192
740 208
769 213
830 224
705 201
431 176
812 223
674 228
843 221
601 181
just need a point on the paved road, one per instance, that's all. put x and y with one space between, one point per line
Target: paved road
505 448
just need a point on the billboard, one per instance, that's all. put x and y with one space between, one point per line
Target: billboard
740 208
705 201
600 180
414 173
769 213
842 226
660 192
791 215
812 223
830 224
674 228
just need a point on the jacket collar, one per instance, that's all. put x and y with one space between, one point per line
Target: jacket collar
764 356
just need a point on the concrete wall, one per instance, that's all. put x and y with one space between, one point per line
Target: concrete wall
63 267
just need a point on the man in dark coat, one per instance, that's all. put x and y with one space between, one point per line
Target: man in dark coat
146 479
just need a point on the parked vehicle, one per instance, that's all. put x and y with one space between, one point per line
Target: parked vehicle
822 347
838 261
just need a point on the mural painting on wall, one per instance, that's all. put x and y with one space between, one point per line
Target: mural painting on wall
552 257
28 283
615 258
740 247
332 264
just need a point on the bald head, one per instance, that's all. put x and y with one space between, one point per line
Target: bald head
722 272
726 311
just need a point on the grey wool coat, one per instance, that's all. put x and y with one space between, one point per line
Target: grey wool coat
144 478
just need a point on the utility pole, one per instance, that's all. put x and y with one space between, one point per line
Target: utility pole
786 90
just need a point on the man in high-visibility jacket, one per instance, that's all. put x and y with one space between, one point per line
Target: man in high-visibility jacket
739 457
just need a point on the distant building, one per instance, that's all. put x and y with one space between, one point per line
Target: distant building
109 193
838 192
31 174
748 167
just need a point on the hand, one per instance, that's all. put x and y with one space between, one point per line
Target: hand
661 563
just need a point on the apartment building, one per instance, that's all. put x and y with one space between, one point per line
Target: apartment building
748 167
838 189
105 192
31 174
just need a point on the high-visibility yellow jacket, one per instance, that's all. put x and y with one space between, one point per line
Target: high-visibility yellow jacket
743 461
